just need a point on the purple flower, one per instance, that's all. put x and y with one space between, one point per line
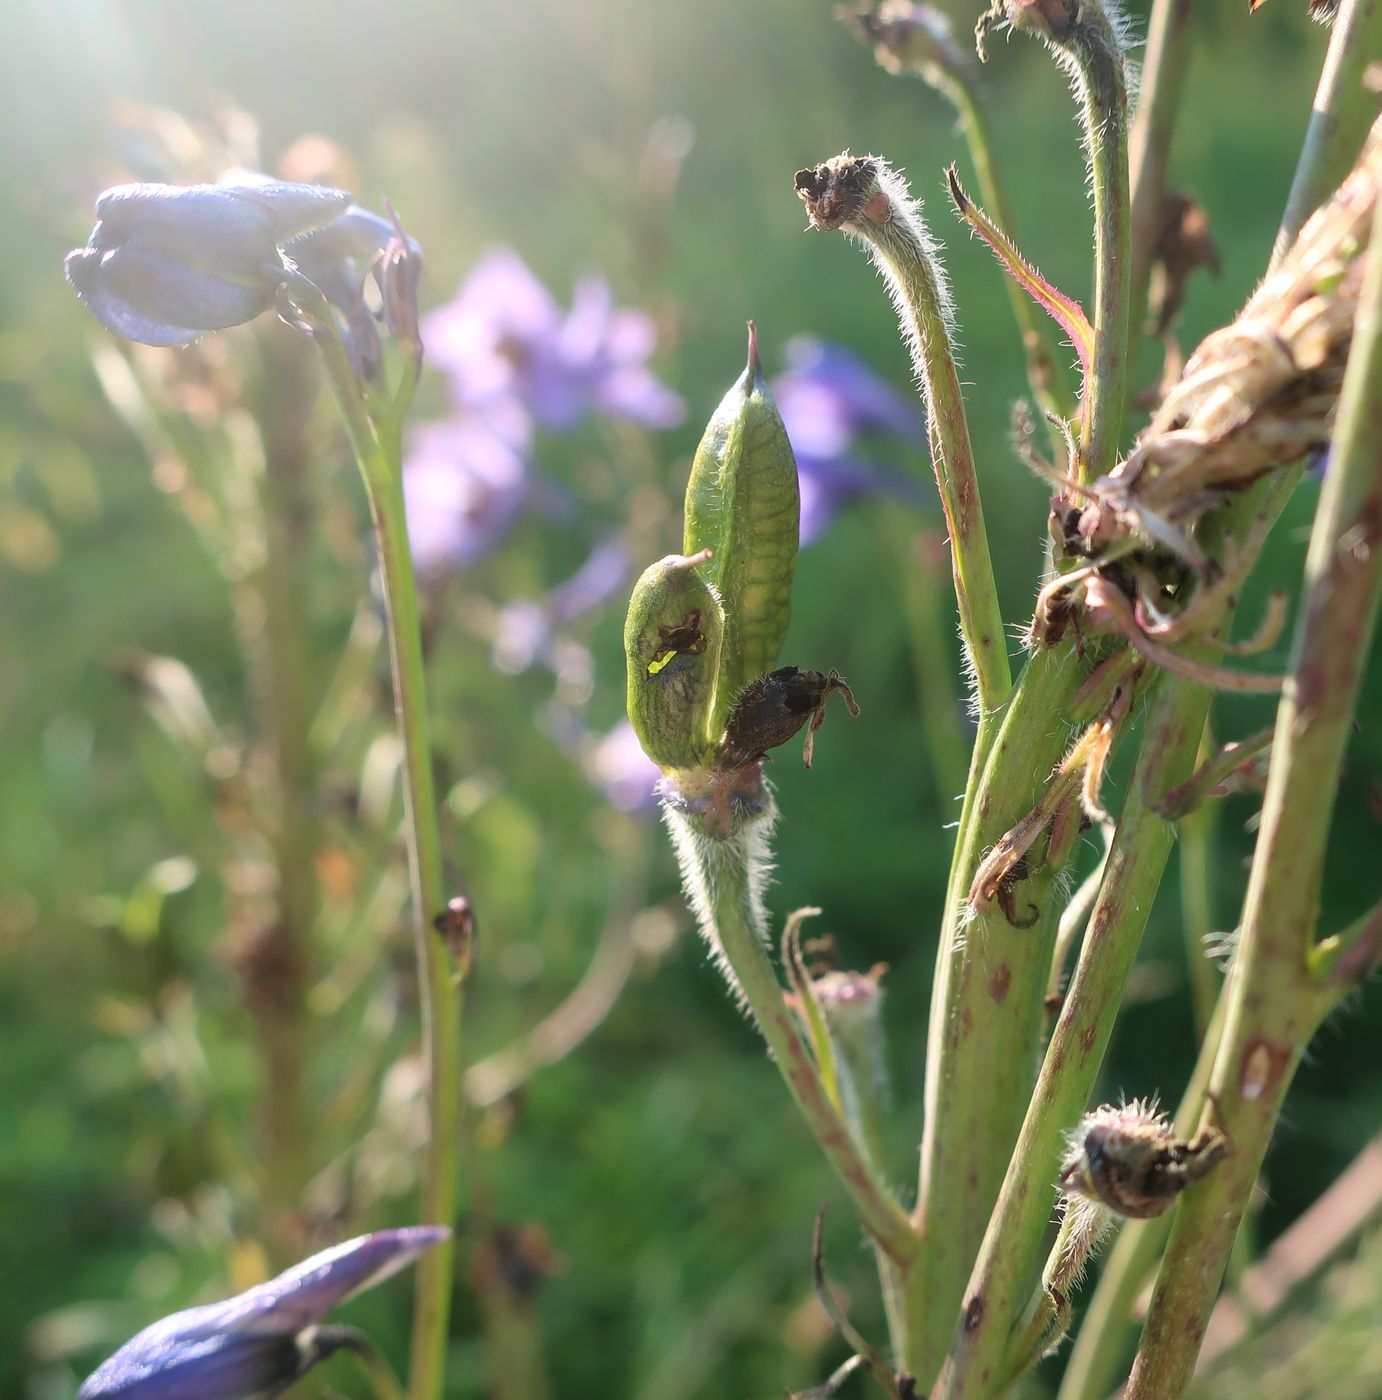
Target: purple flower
167 263
626 775
504 337
463 486
252 1346
828 397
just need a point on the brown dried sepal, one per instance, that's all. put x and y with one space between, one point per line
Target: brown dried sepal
838 190
1131 1161
773 708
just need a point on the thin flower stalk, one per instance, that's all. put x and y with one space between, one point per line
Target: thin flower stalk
378 452
1276 995
917 39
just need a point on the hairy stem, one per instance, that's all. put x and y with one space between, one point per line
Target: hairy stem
872 203
723 878
1276 1000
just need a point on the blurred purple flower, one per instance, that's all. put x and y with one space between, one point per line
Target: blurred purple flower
503 337
463 486
254 1345
626 775
528 632
828 397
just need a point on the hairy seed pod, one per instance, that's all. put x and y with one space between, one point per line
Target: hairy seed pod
673 640
743 504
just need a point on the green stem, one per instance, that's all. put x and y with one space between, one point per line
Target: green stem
440 981
1149 145
1276 1000
872 203
1199 832
1339 120
1008 1256
1102 80
986 1007
723 878
1105 1337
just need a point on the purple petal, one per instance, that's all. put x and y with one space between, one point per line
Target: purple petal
605 571
635 393
623 772
463 486
247 1346
829 484
864 400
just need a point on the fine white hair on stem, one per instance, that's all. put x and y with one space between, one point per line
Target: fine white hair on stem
709 866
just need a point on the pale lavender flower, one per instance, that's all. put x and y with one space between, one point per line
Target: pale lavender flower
463 486
504 338
254 1345
621 770
167 263
828 398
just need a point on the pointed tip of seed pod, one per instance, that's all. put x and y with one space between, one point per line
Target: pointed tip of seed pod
754 369
701 556
957 195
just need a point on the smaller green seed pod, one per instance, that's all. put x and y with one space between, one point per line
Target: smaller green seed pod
743 503
672 641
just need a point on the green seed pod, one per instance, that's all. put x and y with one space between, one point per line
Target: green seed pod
672 641
743 504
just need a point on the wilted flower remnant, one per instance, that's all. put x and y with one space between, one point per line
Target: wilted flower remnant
829 398
1129 1159
254 1345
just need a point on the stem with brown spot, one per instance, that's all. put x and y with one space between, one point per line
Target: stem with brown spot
1277 994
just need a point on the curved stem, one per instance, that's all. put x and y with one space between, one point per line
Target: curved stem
723 878
1276 1000
439 979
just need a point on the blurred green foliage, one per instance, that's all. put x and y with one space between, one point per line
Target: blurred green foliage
662 1159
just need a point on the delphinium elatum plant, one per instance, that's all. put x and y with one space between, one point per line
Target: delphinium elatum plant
1158 515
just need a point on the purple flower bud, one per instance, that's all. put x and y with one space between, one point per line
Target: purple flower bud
253 1345
167 263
